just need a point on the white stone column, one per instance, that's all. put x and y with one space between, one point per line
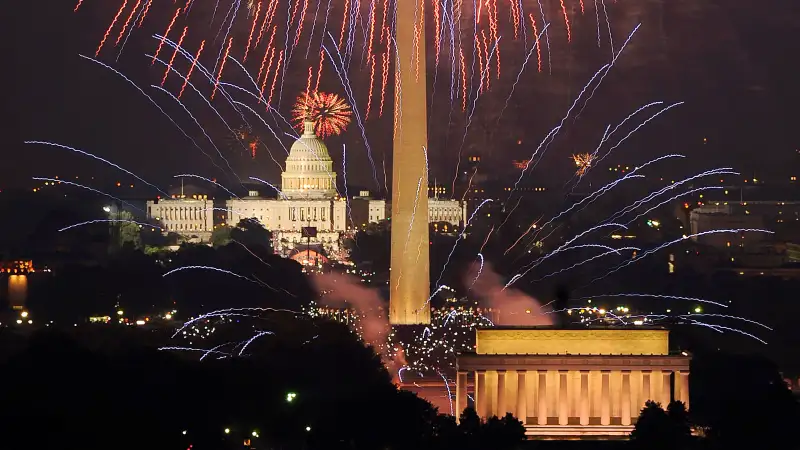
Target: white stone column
625 398
605 400
461 393
584 398
647 394
666 385
683 387
481 400
563 397
541 412
522 396
501 393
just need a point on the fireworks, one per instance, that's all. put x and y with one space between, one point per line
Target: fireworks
244 137
583 162
471 54
329 112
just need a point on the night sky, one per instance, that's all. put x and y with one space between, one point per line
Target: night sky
732 62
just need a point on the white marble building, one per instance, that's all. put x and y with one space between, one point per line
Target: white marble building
192 217
308 198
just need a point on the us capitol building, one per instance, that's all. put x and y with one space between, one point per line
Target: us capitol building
308 198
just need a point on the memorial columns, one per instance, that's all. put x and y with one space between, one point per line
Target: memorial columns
481 400
522 396
563 397
541 412
501 394
584 398
666 388
682 381
461 393
647 394
605 401
625 398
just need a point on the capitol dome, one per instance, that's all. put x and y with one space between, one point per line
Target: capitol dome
309 168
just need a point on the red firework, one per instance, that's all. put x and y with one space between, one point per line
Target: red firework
330 113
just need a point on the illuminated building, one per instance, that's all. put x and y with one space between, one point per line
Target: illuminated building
571 383
308 198
191 217
722 217
17 281
409 284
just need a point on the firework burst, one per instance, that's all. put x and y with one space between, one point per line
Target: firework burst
583 161
329 112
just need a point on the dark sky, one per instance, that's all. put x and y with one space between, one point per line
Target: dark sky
733 63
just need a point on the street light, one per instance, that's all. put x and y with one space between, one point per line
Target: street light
107 209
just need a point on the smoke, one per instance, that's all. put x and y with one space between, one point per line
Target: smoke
345 291
514 306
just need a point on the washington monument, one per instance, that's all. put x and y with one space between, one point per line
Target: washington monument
410 278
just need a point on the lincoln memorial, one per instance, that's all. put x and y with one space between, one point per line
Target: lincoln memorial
571 383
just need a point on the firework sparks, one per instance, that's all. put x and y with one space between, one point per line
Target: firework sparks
110 27
329 112
583 161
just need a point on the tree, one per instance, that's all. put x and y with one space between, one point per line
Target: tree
496 433
657 429
503 434
127 230
221 236
250 233
682 430
744 402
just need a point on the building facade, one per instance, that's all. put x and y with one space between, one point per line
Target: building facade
571 383
191 217
706 219
307 198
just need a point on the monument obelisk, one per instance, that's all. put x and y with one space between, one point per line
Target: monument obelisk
410 278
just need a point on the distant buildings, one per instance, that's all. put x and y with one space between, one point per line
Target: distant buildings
190 217
308 199
571 383
706 219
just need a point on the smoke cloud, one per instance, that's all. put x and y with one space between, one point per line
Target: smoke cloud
514 306
345 291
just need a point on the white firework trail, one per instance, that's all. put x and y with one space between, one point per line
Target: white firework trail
56 180
89 222
652 195
675 241
460 236
256 336
561 248
658 296
191 175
